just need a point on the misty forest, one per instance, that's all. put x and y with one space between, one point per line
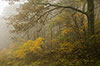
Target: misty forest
50 33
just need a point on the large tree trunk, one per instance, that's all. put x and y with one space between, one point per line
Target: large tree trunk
91 30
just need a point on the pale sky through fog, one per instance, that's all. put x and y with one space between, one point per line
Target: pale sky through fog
6 10
3 4
5 36
4 32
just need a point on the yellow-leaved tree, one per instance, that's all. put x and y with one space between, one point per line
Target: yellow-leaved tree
30 47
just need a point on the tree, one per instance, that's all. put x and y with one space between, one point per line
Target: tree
89 14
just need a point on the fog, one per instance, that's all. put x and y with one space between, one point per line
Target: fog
6 10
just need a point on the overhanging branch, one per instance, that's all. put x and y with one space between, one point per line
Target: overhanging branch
69 7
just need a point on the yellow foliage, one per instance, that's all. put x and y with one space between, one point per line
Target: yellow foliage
54 41
20 53
78 44
78 14
30 46
67 47
39 8
58 19
65 31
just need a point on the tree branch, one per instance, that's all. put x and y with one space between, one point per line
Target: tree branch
69 7
30 24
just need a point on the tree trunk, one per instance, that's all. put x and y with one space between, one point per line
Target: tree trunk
91 30
51 35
